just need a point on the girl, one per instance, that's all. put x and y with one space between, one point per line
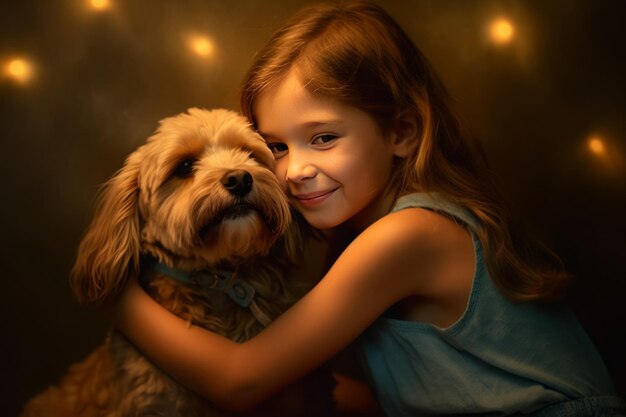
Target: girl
450 318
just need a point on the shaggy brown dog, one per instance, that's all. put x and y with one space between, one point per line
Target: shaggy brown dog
200 200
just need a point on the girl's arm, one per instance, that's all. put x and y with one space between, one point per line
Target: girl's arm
380 267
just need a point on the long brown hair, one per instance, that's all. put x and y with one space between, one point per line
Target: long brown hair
357 54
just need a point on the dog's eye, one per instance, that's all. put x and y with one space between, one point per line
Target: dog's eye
185 168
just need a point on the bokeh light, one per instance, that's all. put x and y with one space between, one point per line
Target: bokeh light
605 153
19 69
100 4
202 46
501 31
596 146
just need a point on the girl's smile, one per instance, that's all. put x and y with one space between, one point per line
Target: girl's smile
313 199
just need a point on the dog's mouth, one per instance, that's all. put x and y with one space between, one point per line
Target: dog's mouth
233 212
238 210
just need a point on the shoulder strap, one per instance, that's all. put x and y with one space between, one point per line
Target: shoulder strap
436 202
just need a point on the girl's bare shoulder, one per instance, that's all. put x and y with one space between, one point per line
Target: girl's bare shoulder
431 251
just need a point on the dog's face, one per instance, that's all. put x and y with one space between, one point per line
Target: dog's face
206 189
201 191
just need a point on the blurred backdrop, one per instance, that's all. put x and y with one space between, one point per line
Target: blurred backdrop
84 82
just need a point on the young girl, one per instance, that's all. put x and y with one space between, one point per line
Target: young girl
449 317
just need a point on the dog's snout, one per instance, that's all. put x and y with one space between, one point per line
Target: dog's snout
238 182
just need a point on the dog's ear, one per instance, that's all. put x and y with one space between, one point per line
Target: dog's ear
109 253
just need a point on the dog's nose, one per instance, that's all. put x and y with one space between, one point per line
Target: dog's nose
238 182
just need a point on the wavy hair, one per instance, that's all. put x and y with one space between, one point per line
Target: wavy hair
357 54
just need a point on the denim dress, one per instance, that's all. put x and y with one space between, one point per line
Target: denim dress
500 358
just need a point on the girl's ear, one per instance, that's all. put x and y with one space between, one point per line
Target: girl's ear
404 135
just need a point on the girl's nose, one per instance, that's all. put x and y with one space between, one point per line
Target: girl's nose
299 168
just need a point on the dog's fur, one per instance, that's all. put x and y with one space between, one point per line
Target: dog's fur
179 199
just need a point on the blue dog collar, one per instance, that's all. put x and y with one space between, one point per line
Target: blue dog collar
238 290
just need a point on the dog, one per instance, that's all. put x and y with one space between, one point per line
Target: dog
198 217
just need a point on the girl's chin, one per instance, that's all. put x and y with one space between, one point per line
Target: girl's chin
320 221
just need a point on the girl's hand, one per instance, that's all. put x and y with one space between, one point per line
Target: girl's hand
355 398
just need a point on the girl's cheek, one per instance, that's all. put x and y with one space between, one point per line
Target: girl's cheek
281 175
284 186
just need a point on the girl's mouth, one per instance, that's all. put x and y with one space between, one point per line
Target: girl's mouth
313 199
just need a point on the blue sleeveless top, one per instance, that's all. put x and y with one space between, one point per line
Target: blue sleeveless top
500 357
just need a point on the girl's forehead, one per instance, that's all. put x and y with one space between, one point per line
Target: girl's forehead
287 99
289 87
289 107
291 96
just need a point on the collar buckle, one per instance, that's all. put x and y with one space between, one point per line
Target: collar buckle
238 290
209 280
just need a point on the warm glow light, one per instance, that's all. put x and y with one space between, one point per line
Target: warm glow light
202 46
19 69
100 4
606 154
596 146
501 31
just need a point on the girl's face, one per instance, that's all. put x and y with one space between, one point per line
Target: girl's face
332 159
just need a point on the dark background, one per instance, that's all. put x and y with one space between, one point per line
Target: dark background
103 79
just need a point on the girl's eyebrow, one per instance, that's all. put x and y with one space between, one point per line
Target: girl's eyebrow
317 123
305 126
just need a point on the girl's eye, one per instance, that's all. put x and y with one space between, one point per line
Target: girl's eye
185 168
278 148
323 139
